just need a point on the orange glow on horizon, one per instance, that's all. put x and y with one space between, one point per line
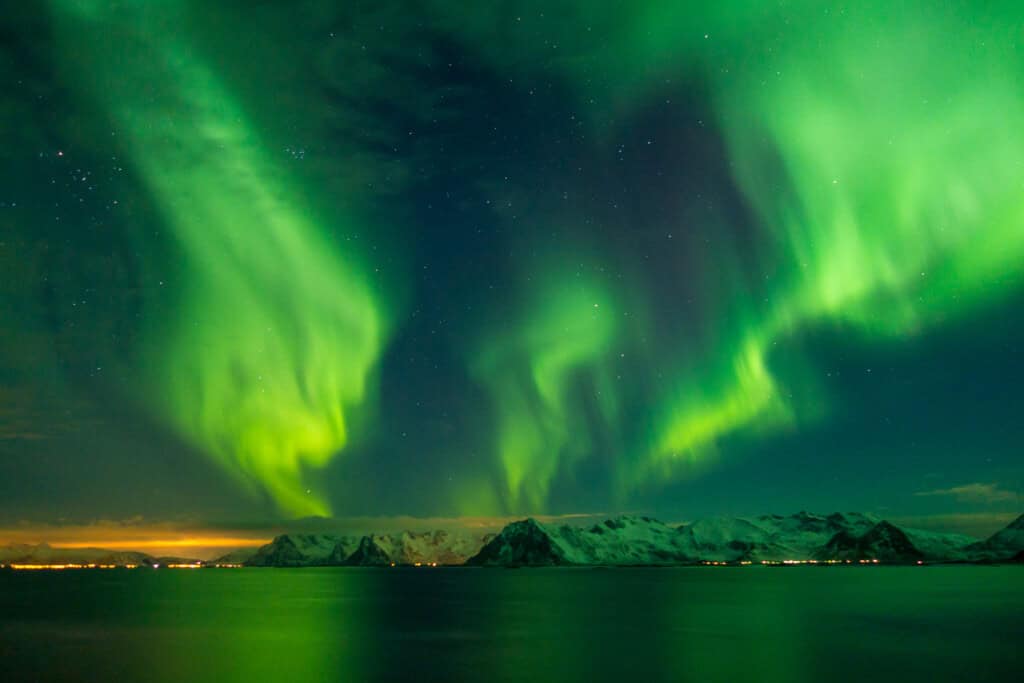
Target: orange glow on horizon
151 543
154 539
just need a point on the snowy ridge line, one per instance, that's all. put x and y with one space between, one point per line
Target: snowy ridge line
643 541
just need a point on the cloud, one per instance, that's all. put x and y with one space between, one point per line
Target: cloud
975 493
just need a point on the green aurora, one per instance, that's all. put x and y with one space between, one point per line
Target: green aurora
567 331
881 152
880 149
875 153
278 329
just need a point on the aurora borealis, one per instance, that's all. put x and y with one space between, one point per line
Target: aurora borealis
275 334
319 259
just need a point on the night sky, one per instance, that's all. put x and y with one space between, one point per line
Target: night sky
268 260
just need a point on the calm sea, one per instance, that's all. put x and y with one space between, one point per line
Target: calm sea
952 623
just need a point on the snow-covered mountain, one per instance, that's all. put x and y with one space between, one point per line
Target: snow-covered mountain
429 547
368 554
883 542
304 550
626 540
526 542
622 541
1007 543
407 547
773 538
770 537
940 547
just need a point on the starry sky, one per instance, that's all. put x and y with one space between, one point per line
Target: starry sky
262 261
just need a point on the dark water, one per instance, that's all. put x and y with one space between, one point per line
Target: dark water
693 624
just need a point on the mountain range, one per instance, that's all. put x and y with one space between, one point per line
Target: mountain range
637 540
621 541
44 554
439 547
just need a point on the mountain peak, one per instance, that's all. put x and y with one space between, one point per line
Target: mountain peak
368 554
525 542
1003 544
884 542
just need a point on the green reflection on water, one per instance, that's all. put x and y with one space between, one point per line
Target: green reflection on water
262 625
688 624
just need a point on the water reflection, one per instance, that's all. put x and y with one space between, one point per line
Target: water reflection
312 624
693 624
719 625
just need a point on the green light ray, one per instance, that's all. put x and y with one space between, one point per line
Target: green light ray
882 155
278 331
563 336
879 147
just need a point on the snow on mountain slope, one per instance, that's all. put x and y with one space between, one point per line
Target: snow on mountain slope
1012 536
429 547
624 540
303 550
407 547
770 537
939 546
526 542
646 541
368 554
733 538
883 542
1004 544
